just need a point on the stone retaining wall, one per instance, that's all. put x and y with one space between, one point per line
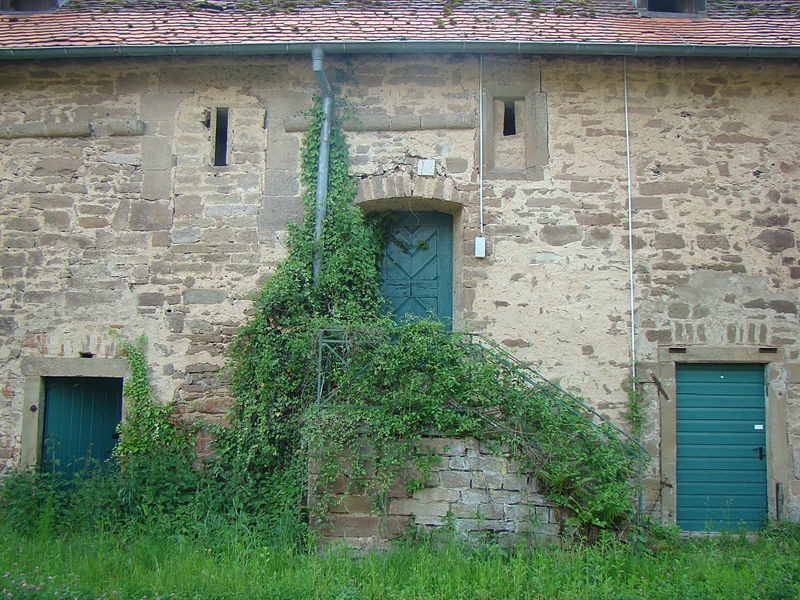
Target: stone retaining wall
472 490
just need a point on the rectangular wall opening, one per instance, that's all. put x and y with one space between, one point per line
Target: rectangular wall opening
221 137
509 119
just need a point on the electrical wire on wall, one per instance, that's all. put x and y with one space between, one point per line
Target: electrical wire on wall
630 214
480 135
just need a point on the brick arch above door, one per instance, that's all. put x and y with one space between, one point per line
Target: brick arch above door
398 191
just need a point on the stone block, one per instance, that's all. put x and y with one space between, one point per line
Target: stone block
403 506
489 465
456 165
283 152
84 299
514 482
281 183
150 299
474 496
157 153
404 122
204 296
7 325
42 297
58 219
487 480
364 526
712 242
775 240
455 479
783 306
156 185
175 322
119 158
26 224
150 216
353 504
188 207
663 188
448 121
678 310
93 222
589 187
430 520
186 236
57 166
597 237
646 203
559 235
277 212
8 259
436 494
159 107
444 446
665 241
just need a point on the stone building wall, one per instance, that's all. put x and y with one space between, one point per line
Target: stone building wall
112 216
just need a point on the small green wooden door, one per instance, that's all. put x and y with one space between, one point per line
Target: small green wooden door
721 447
80 421
417 272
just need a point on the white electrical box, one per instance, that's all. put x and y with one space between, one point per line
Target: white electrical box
480 247
426 167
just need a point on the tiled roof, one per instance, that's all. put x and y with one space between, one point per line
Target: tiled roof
134 26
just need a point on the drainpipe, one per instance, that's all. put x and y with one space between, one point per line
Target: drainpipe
324 146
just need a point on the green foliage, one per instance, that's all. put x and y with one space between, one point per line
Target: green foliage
634 411
398 383
100 497
149 429
271 360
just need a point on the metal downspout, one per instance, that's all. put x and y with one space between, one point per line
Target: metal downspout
324 151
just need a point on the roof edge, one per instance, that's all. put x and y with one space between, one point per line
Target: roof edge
442 47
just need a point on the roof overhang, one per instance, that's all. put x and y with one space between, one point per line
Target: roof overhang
390 47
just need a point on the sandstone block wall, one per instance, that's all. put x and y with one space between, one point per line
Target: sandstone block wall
112 216
471 490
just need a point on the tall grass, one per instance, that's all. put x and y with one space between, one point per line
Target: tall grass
233 566
160 531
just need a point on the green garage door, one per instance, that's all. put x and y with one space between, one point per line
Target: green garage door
417 271
721 447
80 421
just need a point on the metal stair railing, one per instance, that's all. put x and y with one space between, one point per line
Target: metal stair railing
339 346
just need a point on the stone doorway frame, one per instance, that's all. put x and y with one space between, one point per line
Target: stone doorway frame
778 469
404 192
33 407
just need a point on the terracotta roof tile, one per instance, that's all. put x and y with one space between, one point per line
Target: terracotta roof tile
147 23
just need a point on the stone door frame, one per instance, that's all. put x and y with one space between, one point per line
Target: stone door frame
777 435
36 370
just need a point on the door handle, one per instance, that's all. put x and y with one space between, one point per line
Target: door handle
760 453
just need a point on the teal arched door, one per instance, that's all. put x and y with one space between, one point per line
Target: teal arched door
417 271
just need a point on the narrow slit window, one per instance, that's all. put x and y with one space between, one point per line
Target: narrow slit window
509 118
221 138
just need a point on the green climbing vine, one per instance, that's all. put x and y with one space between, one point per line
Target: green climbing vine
409 379
149 426
271 362
634 411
